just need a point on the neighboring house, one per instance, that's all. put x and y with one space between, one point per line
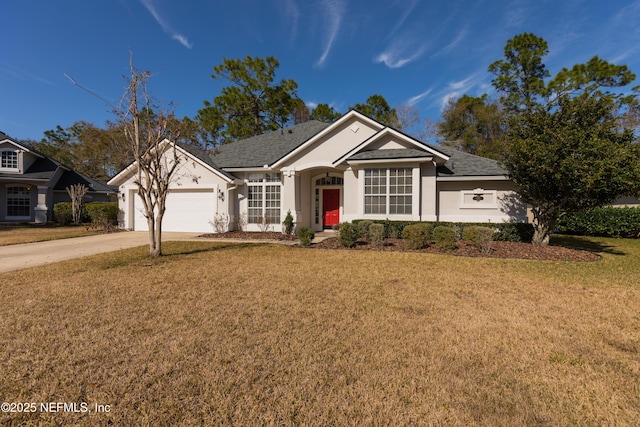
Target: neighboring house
31 183
354 168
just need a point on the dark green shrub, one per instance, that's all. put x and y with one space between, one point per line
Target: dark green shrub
348 234
287 224
306 235
376 235
417 235
103 215
445 238
363 228
605 222
63 213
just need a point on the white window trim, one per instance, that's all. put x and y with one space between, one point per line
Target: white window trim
415 195
14 151
263 185
480 191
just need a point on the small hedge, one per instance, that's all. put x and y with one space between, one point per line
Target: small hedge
603 222
444 237
417 235
63 213
376 235
348 234
102 214
503 231
306 235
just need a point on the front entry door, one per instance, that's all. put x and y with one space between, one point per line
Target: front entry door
330 207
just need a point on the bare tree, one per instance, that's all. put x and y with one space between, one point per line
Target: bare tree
77 192
148 136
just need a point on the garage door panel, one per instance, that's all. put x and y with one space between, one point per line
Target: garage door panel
187 211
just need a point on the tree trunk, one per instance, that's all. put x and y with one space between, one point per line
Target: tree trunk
541 234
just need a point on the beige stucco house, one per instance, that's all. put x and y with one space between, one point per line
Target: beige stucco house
354 168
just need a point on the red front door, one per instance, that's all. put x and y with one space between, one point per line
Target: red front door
331 207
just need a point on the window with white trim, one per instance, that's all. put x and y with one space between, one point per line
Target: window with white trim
18 201
8 159
264 196
388 191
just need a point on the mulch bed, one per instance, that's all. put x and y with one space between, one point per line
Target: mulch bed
463 248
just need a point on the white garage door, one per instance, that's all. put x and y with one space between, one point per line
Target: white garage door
187 211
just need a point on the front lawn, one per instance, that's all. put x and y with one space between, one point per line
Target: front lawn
241 334
11 234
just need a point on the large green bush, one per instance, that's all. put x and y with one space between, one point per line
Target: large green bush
480 236
605 222
102 214
348 234
363 228
63 213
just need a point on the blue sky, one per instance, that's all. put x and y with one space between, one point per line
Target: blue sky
339 51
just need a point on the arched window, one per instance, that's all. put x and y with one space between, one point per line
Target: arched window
330 180
18 201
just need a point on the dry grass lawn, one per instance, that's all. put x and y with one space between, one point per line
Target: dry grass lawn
16 234
239 334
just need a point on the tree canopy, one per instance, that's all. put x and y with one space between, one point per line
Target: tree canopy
325 113
252 105
474 125
567 147
378 109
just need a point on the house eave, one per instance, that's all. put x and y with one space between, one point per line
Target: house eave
473 178
383 161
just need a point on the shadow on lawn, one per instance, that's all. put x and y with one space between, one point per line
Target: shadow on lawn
584 243
180 248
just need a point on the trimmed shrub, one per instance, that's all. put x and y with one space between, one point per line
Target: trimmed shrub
287 224
363 228
417 235
604 222
348 234
480 236
445 238
306 235
376 235
63 213
103 215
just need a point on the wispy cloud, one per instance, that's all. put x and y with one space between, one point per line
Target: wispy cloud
401 53
334 10
415 99
24 75
166 27
411 5
291 11
458 88
454 43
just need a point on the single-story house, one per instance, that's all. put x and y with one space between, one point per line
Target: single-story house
31 183
325 174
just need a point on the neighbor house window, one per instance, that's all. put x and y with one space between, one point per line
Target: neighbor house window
388 191
9 159
18 201
264 198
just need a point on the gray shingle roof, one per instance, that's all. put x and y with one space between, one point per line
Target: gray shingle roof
266 149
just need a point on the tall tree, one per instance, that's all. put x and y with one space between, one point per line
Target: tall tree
566 150
474 125
378 109
325 113
253 104
520 75
147 129
408 118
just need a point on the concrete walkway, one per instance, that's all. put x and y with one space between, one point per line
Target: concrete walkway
16 257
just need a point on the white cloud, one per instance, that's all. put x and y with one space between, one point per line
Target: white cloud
292 12
335 11
415 99
400 54
403 18
148 4
454 43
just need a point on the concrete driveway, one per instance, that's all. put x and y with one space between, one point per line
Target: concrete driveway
16 257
